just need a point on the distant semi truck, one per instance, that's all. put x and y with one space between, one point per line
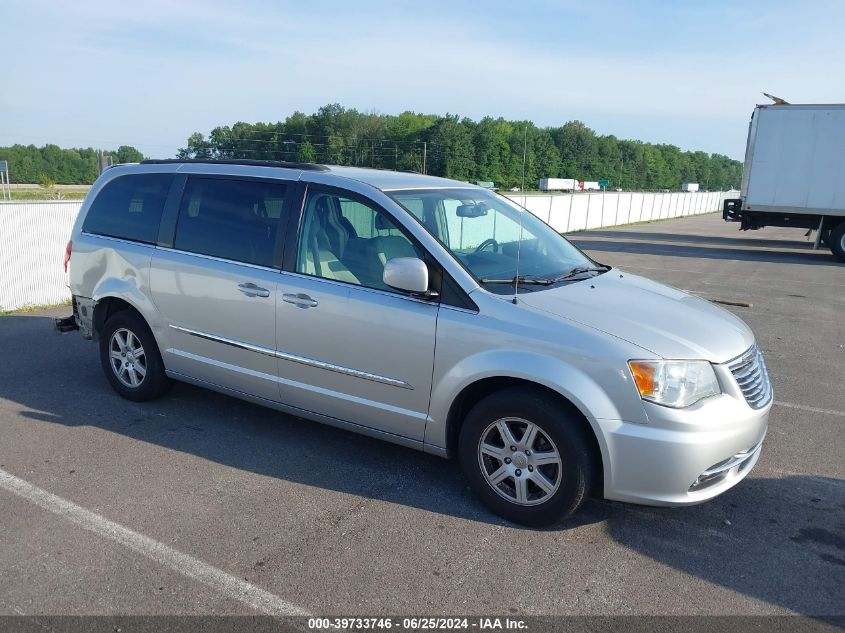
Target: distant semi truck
689 187
588 185
558 184
794 172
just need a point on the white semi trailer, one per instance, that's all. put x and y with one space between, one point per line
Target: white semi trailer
794 172
558 184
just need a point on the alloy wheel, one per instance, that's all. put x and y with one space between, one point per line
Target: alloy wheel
127 358
519 461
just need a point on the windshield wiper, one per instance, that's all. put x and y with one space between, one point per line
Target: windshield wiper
580 270
521 280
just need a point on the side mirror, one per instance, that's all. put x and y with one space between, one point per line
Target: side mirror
471 210
406 273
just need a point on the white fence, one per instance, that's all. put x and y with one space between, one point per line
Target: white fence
33 234
581 211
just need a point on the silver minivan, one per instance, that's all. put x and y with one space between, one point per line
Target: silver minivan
424 311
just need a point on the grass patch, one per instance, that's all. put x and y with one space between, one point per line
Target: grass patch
47 194
26 309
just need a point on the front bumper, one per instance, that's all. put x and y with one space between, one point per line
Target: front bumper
683 457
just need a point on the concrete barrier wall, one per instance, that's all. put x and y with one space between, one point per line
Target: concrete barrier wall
33 234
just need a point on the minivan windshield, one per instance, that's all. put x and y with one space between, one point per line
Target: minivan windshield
486 232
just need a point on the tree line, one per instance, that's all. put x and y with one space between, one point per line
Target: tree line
494 150
508 153
52 164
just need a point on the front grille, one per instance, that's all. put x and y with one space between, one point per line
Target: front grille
750 373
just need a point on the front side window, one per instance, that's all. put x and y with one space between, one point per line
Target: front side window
231 219
344 239
487 233
129 207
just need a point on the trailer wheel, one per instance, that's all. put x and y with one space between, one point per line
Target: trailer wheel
836 242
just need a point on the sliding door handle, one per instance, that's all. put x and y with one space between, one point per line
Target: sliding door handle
251 290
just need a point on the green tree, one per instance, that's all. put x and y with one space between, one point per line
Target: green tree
196 147
491 149
127 154
28 163
306 152
453 154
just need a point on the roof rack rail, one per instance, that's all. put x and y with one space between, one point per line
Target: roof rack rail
238 161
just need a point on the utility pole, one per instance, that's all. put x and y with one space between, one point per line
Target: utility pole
425 151
103 161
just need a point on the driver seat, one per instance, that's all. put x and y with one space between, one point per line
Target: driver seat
387 247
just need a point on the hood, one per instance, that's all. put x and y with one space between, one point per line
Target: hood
663 320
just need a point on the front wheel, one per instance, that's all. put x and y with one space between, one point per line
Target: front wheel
130 358
526 456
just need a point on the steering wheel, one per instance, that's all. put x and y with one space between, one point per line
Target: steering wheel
488 242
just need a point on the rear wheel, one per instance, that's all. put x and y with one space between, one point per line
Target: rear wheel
836 242
526 456
130 358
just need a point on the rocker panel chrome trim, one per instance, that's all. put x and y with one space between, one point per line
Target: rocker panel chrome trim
303 360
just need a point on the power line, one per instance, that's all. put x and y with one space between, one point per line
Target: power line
308 135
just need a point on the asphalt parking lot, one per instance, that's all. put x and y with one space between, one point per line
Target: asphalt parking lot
308 517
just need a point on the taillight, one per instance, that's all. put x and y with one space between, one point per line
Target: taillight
68 251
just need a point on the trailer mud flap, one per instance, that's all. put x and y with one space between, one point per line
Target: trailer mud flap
732 210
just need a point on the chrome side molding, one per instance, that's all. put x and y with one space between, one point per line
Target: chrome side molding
302 360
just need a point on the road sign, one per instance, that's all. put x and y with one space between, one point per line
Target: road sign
604 183
5 189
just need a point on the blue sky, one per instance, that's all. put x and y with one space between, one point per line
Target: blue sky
151 72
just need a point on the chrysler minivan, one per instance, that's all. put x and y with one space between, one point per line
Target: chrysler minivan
423 311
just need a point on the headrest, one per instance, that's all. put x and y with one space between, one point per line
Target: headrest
383 223
321 206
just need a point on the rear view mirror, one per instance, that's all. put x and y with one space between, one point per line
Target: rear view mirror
406 273
472 210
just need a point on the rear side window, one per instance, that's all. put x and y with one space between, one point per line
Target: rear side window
231 219
129 207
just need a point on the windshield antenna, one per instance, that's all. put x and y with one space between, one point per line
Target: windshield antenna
521 211
518 249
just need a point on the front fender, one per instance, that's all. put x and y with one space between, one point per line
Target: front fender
600 394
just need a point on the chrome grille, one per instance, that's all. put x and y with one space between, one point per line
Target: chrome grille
749 371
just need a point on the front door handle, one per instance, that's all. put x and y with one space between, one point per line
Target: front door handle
251 290
300 300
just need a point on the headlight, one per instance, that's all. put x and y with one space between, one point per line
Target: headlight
674 383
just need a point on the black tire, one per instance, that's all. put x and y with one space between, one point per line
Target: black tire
154 381
563 430
836 242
